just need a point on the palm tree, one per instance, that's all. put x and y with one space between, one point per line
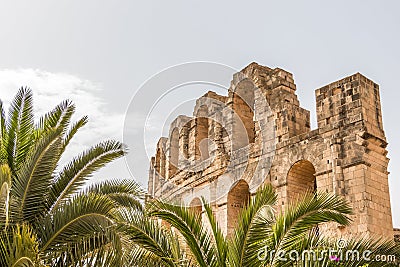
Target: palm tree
48 216
260 236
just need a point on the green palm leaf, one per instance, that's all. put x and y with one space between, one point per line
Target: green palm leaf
138 256
59 117
127 193
3 133
102 249
154 244
74 175
19 247
293 225
20 127
5 186
32 181
219 239
84 215
74 129
190 226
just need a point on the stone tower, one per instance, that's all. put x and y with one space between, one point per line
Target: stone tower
224 148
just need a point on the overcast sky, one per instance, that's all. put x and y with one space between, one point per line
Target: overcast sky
98 53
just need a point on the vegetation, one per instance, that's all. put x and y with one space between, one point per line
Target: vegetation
50 217
262 235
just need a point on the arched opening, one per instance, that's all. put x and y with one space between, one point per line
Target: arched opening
173 152
196 207
184 140
160 166
161 160
243 106
201 138
158 161
300 179
238 197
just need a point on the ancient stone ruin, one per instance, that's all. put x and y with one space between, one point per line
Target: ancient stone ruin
259 134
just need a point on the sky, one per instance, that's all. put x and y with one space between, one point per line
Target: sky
99 53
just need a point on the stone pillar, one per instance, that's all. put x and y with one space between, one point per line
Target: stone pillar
349 115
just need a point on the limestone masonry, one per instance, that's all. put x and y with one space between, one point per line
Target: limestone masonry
259 134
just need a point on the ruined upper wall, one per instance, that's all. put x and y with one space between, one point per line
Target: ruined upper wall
279 89
229 121
347 105
354 99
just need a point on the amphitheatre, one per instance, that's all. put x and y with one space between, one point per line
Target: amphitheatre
259 133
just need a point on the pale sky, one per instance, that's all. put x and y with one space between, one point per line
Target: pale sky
98 53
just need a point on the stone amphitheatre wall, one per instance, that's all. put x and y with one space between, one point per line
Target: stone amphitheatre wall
259 133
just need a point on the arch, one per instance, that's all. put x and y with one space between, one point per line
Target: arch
196 206
158 162
184 140
238 198
202 138
173 153
300 179
160 165
161 160
243 107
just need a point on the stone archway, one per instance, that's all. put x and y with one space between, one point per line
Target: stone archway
238 198
300 179
173 153
202 138
161 162
196 206
243 107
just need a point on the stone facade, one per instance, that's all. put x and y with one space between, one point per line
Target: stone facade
259 133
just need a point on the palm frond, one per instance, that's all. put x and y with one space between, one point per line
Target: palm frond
20 126
3 134
154 243
5 186
23 262
137 256
127 193
294 224
59 117
74 175
74 129
32 181
5 174
197 238
19 247
84 215
219 238
102 249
